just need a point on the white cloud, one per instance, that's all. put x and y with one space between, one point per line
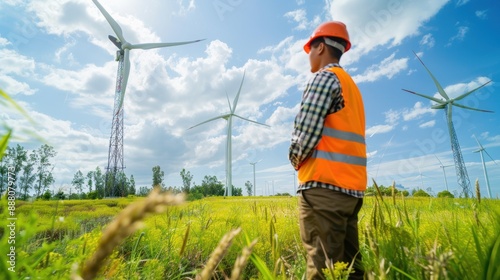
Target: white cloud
185 8
458 89
386 68
461 32
427 40
417 111
392 116
16 67
427 124
483 14
372 24
299 16
4 42
377 129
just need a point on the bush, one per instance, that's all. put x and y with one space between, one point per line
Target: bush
92 195
421 193
194 196
445 194
46 195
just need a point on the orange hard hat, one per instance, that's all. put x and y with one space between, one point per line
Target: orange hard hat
329 29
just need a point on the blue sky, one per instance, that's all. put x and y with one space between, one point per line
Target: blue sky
57 62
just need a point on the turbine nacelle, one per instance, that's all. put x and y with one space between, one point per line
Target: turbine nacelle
439 106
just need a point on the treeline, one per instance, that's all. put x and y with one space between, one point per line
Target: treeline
27 170
393 191
31 173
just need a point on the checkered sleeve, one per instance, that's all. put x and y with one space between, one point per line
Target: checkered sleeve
321 97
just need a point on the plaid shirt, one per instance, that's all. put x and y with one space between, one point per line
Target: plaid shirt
321 97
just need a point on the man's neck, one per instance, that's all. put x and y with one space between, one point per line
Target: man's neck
328 60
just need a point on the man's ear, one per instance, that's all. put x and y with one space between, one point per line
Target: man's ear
321 48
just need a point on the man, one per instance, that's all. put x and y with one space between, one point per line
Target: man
328 150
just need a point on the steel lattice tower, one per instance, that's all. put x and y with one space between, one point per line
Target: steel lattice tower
447 103
115 153
462 176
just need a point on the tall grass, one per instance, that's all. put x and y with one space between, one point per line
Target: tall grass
401 238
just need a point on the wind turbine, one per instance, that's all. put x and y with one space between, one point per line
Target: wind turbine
115 153
447 104
254 185
480 151
444 172
229 118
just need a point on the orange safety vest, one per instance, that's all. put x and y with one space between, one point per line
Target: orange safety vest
339 159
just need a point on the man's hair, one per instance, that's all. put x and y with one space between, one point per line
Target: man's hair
332 50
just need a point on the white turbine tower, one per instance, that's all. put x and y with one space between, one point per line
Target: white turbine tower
480 151
229 118
254 184
444 172
115 153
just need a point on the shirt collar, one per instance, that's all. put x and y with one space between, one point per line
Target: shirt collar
330 65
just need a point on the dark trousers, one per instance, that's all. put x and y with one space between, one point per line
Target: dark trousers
329 226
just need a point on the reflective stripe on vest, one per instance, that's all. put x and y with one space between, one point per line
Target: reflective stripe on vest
340 156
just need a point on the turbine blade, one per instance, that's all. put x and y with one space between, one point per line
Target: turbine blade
250 120
479 144
114 25
124 78
438 160
148 46
115 41
228 103
438 86
209 120
467 93
470 108
481 148
425 96
490 157
238 95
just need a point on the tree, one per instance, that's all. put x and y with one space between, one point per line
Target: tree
186 180
17 157
28 178
158 177
249 188
90 179
4 174
78 181
99 182
121 184
44 177
131 185
237 191
144 191
211 186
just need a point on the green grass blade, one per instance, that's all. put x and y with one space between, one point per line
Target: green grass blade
492 270
4 141
404 273
15 105
261 266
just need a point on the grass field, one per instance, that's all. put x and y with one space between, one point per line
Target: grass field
402 238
